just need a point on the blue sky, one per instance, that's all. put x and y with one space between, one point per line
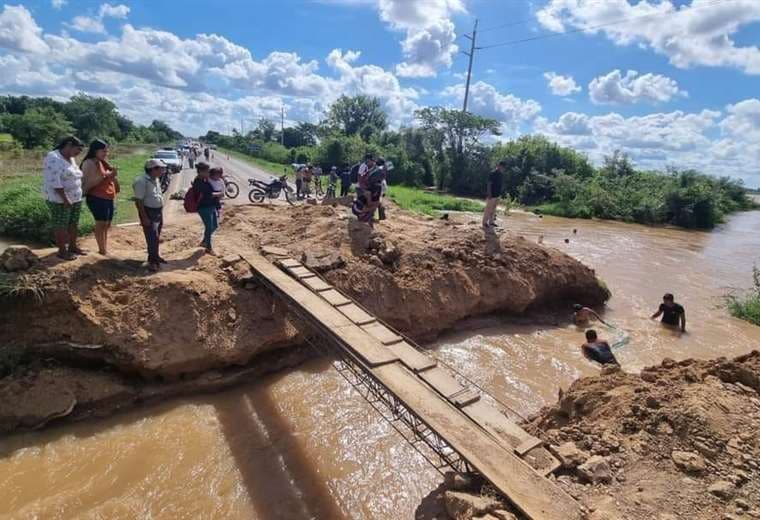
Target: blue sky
669 82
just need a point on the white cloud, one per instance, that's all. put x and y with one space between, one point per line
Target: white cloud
696 34
19 31
113 11
614 88
561 85
58 4
680 139
375 81
430 34
485 100
427 50
87 24
94 24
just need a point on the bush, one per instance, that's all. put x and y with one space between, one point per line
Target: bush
747 307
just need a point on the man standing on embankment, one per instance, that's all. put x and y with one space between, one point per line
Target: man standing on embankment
493 194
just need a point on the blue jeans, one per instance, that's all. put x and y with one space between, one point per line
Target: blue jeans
210 218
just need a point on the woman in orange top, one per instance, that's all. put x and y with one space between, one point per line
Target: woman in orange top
101 186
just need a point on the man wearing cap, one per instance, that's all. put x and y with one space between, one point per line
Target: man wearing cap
62 184
150 203
493 194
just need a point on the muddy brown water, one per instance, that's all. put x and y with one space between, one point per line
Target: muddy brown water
304 445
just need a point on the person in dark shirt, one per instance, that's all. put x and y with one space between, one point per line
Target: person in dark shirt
493 194
672 313
597 350
207 204
345 180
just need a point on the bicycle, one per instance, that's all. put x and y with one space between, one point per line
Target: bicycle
330 194
318 191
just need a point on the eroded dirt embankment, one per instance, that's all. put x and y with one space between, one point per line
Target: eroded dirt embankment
679 440
108 329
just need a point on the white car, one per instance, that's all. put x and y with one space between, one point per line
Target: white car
171 159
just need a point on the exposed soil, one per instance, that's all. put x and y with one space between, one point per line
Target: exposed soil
680 440
201 313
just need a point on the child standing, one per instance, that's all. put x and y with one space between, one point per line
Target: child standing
216 179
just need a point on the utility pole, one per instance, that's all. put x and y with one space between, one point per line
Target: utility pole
471 54
282 125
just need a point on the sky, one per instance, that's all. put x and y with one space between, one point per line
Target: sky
669 82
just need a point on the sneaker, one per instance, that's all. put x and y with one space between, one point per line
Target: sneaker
77 251
65 255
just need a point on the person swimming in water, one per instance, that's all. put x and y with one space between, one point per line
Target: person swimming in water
582 315
597 350
673 314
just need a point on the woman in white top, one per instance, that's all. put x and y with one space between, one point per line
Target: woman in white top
63 191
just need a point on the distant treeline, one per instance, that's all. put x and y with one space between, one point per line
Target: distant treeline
446 150
40 122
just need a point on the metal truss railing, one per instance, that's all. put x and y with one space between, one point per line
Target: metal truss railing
428 443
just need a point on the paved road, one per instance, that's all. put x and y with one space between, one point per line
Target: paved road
235 169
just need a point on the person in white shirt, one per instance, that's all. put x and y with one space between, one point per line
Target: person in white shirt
62 185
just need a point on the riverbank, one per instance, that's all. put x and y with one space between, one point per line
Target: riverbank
206 313
25 216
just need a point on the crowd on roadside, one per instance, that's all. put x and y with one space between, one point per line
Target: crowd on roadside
67 185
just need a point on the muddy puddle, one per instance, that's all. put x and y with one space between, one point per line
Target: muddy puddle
305 445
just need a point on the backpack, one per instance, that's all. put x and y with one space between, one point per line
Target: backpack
355 173
192 198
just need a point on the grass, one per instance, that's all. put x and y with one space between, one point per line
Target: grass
25 215
428 203
268 166
747 306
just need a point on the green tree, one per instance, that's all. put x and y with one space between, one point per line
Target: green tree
357 115
37 127
265 129
456 136
92 117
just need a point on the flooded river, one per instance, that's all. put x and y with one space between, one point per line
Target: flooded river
304 445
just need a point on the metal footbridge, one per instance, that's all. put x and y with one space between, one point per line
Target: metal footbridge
451 423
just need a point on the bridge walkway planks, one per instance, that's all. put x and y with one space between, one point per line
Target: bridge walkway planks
425 389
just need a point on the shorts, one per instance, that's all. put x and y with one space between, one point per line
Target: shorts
64 217
102 209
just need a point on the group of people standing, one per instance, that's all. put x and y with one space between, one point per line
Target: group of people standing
95 182
66 185
207 190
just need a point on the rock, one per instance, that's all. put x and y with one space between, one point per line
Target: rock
457 481
569 455
346 201
649 377
596 470
742 504
461 506
485 517
311 202
230 260
503 514
17 258
653 402
722 489
389 254
688 461
360 233
322 261
376 262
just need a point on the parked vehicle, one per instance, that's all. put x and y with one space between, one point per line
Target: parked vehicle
231 189
171 159
261 190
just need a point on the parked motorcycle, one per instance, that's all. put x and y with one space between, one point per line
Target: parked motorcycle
261 190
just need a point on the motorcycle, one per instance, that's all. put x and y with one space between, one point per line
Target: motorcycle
261 190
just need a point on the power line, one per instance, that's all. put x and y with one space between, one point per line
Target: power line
594 27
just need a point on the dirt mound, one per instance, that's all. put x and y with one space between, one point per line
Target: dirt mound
680 440
202 312
423 275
